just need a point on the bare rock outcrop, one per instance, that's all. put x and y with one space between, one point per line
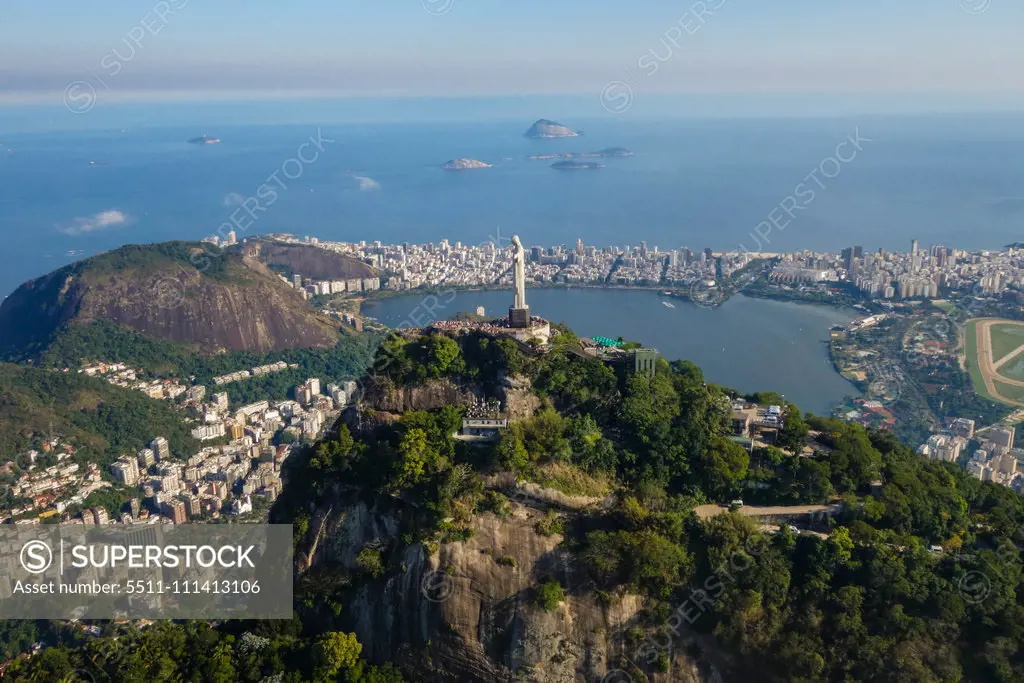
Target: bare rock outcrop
542 496
383 395
213 299
310 261
517 395
458 614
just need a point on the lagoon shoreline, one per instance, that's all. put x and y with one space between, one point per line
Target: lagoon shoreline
749 344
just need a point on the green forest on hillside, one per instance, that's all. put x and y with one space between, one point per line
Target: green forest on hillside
155 256
867 600
102 421
868 603
104 341
193 651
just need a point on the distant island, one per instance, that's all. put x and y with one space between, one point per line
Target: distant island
464 165
609 152
204 140
576 165
545 128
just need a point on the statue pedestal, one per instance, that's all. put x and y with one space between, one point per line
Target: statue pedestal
519 317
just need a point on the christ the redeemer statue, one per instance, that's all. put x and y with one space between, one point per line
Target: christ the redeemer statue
519 255
519 313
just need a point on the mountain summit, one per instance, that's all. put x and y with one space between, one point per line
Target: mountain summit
178 291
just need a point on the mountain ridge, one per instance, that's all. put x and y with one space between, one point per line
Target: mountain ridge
307 260
176 291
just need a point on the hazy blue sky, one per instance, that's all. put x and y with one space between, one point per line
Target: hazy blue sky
967 49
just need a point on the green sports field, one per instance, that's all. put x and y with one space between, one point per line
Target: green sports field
1014 368
1010 336
1006 337
1011 392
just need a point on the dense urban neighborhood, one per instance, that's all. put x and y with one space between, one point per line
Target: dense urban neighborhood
883 275
237 467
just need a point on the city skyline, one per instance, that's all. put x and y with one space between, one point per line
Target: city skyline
881 274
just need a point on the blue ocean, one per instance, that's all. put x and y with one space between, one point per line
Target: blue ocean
950 180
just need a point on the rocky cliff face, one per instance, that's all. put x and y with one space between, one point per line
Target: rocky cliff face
311 262
173 291
459 615
517 395
383 396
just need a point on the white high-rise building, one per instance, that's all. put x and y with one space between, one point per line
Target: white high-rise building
221 401
944 447
340 399
1008 463
160 448
1001 436
126 471
146 457
213 431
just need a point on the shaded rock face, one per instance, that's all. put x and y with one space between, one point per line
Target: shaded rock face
245 307
543 497
431 395
259 318
383 397
519 400
459 615
312 262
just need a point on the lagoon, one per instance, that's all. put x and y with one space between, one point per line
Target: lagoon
747 344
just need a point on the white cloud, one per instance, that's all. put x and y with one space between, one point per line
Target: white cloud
232 199
104 220
367 184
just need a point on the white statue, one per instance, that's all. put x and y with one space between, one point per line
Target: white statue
519 271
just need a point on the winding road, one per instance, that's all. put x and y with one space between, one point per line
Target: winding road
705 511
